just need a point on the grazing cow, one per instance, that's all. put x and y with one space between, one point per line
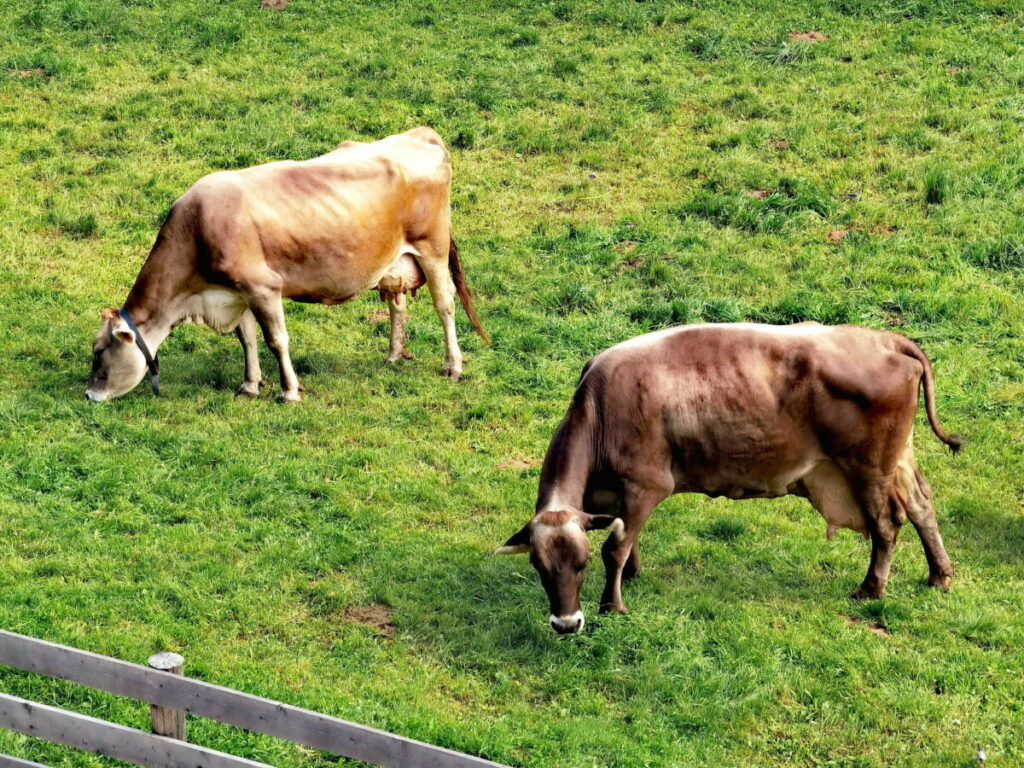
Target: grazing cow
364 216
744 411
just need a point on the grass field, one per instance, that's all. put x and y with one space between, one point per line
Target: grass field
620 166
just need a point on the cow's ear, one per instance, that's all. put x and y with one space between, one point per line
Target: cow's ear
110 313
123 333
614 524
517 544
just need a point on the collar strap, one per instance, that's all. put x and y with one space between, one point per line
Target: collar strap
152 362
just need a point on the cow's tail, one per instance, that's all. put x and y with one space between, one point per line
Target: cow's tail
463 290
928 385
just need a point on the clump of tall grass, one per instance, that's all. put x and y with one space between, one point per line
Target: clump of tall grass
1002 255
938 185
754 214
707 45
572 297
77 225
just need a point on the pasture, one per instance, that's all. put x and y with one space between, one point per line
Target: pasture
619 166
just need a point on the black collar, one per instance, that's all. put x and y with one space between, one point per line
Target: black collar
151 361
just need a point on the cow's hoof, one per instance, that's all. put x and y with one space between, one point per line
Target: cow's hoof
620 609
248 389
405 354
867 593
452 371
289 397
940 581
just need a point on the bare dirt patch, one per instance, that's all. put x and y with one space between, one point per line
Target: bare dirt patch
872 626
885 230
376 616
37 72
807 37
518 463
378 317
836 235
273 5
634 263
780 144
759 194
625 246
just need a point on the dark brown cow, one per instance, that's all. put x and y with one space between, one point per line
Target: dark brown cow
744 411
365 216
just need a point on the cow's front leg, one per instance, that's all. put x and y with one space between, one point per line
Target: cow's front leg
397 309
619 550
632 567
614 553
246 333
269 313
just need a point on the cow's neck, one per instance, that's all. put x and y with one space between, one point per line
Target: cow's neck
154 305
568 465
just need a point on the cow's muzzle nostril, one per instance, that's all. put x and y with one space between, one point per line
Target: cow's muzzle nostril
92 397
567 625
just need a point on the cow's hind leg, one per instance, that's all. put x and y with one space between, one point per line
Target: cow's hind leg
246 333
433 260
397 309
915 494
884 519
269 313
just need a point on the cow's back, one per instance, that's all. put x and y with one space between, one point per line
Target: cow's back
738 408
329 226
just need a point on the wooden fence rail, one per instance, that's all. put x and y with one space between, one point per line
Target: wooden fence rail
6 761
103 738
164 689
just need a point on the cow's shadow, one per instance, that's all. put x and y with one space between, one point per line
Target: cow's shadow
982 532
469 599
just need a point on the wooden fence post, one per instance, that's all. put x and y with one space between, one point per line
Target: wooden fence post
168 722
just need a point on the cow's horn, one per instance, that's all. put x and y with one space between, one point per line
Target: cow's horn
512 549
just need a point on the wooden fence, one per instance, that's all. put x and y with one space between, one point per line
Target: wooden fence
172 695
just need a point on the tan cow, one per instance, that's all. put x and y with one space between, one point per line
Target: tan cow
744 411
365 216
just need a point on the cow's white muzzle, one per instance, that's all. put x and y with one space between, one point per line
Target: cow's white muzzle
566 625
94 397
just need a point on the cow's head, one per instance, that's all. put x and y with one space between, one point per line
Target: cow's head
118 364
557 544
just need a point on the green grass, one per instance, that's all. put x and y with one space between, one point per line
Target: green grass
604 154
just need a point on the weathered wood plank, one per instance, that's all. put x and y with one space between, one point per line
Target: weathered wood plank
103 738
301 726
6 761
